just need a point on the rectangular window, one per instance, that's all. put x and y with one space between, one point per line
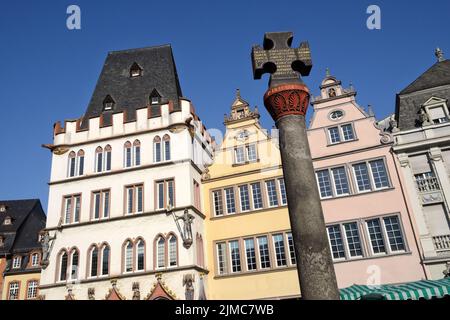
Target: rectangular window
251 153
108 160
291 247
165 193
334 135
347 132
157 151
129 259
264 256
336 244
167 150
272 193
282 191
32 289
235 256
137 155
280 253
135 199
229 200
379 174
250 254
99 165
128 157
394 233
72 167
353 239
244 197
97 202
197 200
17 261
80 165
222 258
13 293
35 259
323 179
340 181
72 207
239 156
105 204
362 177
376 236
218 204
257 195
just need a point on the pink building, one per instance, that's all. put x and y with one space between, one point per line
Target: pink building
369 221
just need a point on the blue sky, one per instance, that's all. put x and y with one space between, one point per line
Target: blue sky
48 73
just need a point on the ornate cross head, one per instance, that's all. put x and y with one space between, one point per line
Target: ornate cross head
285 64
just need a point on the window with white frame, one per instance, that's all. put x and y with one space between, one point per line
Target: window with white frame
80 161
272 193
128 252
282 191
13 292
336 243
99 159
235 256
108 159
160 252
438 114
353 239
264 255
371 175
280 252
341 133
257 195
35 259
290 242
250 254
74 264
72 207
157 149
134 199
72 164
140 255
345 241
167 149
230 201
105 260
76 163
172 251
221 258
218 202
244 198
32 289
101 204
93 255
63 263
333 182
136 153
394 234
165 193
17 262
245 153
386 235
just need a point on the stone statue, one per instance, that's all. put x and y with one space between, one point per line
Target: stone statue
46 247
188 282
187 228
136 292
91 293
446 272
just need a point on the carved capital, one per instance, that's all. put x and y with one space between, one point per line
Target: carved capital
288 99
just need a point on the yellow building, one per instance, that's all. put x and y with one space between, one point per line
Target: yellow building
250 251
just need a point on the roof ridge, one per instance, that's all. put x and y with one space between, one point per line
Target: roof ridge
140 49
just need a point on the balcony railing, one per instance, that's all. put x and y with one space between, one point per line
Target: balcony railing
427 184
442 243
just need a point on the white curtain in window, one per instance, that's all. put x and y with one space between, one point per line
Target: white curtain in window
436 113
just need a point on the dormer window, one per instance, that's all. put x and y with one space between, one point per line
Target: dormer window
2 208
108 103
17 261
7 221
135 70
434 111
438 114
155 97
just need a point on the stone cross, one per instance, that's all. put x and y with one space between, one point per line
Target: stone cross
285 64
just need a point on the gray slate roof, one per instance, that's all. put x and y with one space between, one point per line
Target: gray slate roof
132 93
433 82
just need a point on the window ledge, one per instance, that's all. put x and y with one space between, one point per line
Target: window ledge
379 256
341 142
358 194
245 163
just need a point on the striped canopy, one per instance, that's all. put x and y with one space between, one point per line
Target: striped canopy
425 289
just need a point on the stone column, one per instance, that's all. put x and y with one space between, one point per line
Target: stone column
287 105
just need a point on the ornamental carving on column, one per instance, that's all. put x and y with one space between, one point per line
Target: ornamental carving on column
290 99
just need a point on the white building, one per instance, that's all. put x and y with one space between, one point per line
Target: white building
421 130
121 176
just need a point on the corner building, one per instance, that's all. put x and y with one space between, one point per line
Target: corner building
124 214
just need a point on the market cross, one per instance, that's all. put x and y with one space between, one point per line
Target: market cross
285 64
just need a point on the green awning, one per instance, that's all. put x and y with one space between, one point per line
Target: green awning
425 289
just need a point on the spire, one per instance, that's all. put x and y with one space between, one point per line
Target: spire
327 72
238 93
439 54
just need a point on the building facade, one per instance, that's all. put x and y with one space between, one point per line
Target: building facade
421 129
124 216
20 248
369 226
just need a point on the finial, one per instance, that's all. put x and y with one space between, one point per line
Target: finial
370 110
238 93
327 72
439 54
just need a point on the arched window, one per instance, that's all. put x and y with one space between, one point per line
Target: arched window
63 261
140 255
160 252
74 264
128 256
127 154
166 140
137 152
157 154
72 164
99 159
93 258
105 260
173 254
108 150
80 158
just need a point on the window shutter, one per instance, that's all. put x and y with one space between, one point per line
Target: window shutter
437 113
420 164
436 219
